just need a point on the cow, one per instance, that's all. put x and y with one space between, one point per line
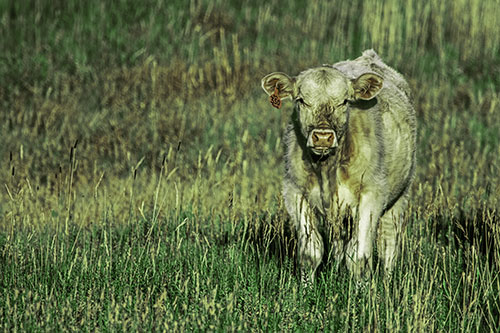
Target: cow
350 156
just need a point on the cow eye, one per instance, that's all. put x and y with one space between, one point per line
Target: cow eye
301 102
344 102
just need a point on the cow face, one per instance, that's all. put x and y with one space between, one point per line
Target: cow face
321 100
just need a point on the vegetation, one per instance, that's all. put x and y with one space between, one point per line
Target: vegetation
141 165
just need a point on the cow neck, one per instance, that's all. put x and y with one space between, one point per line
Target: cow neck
316 159
363 104
328 165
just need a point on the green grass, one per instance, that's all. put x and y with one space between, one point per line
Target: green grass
168 275
141 166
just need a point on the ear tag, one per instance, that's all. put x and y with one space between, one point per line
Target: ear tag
275 99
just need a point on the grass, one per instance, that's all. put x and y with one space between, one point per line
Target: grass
142 165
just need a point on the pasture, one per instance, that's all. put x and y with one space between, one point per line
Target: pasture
141 166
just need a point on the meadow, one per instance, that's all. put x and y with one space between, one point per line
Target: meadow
141 166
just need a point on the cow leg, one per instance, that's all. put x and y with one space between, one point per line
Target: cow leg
389 236
360 248
310 248
310 244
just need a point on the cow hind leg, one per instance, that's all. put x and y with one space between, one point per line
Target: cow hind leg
389 234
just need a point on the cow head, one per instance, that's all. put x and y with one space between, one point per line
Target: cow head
322 97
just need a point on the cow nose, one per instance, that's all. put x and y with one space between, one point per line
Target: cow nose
323 138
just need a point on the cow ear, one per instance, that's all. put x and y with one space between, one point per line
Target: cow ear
278 84
367 86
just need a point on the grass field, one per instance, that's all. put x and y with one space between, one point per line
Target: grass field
141 166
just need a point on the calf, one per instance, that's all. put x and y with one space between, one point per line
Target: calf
350 152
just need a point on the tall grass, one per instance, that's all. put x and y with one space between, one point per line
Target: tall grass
141 166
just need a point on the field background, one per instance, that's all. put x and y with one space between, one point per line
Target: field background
141 165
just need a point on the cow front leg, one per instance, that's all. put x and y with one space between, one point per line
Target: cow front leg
310 248
310 244
360 248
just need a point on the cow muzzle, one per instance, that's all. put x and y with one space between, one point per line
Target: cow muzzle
322 140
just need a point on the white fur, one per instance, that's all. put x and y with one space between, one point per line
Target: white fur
369 108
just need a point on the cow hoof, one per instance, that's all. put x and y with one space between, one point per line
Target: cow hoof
362 285
306 279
